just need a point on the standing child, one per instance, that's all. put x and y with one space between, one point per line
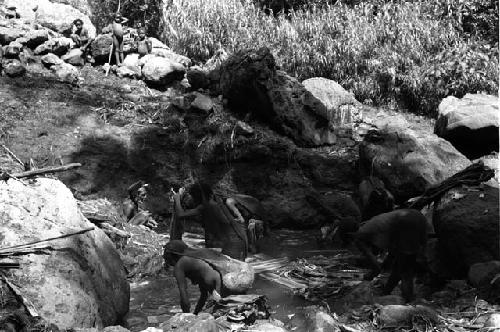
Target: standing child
144 45
118 32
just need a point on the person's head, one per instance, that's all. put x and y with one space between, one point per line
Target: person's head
118 17
78 24
142 33
172 251
200 192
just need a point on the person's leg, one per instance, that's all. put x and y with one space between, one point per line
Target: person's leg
395 275
121 50
252 238
116 49
408 265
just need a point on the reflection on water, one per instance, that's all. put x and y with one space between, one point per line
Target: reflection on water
156 300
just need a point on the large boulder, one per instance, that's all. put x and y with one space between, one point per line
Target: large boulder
13 68
251 84
34 38
82 5
80 280
467 227
53 15
101 46
8 35
57 46
334 97
408 160
470 124
159 71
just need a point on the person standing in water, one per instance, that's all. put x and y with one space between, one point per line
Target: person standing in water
118 32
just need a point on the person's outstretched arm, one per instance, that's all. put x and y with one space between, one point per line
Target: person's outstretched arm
201 301
179 210
231 204
182 284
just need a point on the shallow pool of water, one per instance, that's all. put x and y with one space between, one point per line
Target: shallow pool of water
155 300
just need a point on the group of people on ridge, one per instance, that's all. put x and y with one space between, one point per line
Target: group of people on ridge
83 41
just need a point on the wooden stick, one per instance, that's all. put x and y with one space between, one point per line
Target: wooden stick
49 239
51 169
109 59
13 155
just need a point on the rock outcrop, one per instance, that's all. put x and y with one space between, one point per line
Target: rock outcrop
54 15
467 227
470 124
408 160
251 84
80 280
58 46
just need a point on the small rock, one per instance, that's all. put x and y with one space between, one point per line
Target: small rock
126 88
202 322
482 274
401 315
389 300
125 71
116 328
22 40
271 326
319 321
66 72
132 97
244 129
14 68
13 50
50 60
74 57
202 102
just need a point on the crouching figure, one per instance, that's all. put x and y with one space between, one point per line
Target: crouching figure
216 274
404 234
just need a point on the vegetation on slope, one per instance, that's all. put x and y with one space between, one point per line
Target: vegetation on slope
413 53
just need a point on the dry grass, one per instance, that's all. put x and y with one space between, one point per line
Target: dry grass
390 56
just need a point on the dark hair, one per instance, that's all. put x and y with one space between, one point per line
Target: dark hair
78 20
175 246
200 192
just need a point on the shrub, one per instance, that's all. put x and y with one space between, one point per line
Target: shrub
145 12
381 51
